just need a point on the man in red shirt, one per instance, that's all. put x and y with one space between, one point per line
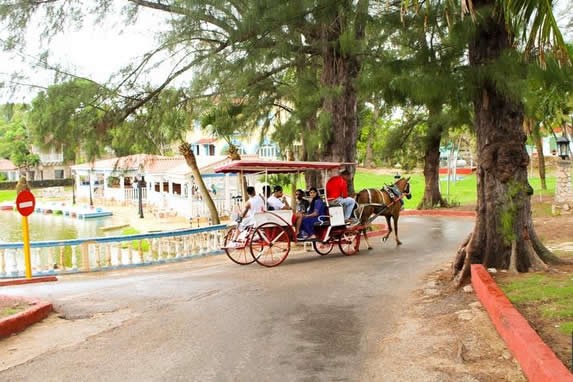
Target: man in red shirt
337 191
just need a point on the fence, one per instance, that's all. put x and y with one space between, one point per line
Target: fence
107 253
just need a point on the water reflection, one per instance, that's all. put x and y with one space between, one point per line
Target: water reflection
49 227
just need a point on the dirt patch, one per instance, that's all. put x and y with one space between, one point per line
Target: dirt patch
445 336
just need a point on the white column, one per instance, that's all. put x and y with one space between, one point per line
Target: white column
227 193
122 187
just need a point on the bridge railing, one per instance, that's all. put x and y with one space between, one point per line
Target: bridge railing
113 252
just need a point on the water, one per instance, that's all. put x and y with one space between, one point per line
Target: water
49 227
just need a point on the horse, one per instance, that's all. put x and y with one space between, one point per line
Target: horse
387 202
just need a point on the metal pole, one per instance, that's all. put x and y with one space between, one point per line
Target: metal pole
73 189
139 186
90 187
26 239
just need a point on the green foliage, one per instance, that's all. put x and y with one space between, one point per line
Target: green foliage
73 111
15 142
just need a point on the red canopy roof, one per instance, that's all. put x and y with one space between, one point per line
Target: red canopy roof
275 167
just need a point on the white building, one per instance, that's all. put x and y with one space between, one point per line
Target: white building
168 187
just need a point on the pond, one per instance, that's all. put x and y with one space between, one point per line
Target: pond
49 227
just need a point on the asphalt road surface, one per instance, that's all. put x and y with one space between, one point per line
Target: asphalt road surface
310 319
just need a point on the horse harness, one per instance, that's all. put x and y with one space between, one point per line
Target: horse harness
394 195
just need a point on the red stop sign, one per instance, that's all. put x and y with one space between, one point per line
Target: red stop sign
25 203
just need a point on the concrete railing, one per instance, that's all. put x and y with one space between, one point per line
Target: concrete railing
106 253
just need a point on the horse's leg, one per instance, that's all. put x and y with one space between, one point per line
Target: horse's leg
389 225
365 234
395 218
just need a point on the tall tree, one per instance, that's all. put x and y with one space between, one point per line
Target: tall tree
504 236
15 141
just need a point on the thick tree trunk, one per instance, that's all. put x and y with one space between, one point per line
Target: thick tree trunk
503 191
339 74
185 150
432 196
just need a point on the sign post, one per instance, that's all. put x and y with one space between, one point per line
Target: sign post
25 204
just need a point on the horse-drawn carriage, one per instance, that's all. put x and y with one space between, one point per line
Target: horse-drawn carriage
268 240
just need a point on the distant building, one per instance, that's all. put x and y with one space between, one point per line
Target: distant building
9 170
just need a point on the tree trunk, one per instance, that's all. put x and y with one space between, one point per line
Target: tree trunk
312 178
540 158
185 150
340 70
432 196
369 154
340 73
503 191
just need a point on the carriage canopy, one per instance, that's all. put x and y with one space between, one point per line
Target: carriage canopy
275 167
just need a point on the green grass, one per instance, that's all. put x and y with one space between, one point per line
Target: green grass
7 195
551 295
135 243
461 192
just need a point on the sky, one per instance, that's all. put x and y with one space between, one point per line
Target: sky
95 51
98 51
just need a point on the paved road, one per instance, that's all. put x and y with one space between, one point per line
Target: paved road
311 319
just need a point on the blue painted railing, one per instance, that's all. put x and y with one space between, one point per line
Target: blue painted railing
112 252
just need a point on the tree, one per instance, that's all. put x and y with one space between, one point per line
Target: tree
15 142
504 236
422 53
185 150
73 111
232 44
548 103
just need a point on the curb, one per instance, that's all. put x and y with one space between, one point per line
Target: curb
27 281
537 360
18 322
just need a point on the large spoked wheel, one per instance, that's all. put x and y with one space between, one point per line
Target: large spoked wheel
349 242
236 247
321 248
270 244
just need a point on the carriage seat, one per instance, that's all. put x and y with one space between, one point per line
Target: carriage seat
334 217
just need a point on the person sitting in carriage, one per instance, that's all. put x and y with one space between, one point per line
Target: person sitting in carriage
255 204
304 224
277 201
337 191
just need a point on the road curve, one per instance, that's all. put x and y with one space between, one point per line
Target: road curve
311 318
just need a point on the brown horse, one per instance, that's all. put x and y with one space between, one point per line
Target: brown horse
387 202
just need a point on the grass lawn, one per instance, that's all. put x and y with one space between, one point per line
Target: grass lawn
550 294
462 192
7 195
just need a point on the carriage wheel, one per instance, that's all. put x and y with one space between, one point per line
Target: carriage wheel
271 246
321 248
236 250
349 242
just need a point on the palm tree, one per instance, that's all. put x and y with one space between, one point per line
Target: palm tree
185 150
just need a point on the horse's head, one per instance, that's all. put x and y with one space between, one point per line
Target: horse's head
403 184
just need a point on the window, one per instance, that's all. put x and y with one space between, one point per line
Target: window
209 150
58 174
